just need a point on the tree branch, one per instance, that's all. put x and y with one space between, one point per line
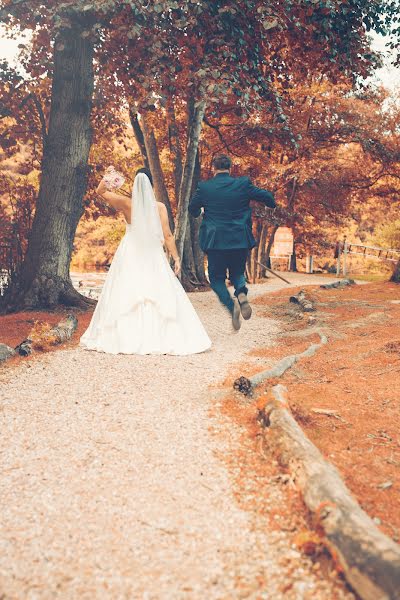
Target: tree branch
42 118
221 137
9 10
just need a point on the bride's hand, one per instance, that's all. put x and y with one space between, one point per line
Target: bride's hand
177 266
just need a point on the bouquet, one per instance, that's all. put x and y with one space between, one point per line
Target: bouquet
113 179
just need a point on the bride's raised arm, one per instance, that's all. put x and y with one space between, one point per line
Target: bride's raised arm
116 200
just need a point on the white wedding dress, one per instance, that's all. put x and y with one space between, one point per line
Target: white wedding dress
143 309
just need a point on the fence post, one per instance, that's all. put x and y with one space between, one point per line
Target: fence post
339 251
309 263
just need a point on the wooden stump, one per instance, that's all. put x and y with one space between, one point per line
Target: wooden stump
302 300
370 560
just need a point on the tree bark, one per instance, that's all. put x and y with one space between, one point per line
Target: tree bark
261 250
175 149
269 246
187 176
189 277
160 189
254 252
198 254
197 251
44 279
138 133
293 259
396 273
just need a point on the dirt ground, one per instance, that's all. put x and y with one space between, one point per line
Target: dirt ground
356 375
128 477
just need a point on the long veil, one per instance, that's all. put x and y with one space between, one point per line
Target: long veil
145 217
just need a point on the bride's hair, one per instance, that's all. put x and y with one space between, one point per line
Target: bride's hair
146 172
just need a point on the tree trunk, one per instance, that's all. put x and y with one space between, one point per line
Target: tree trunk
189 277
198 254
396 273
138 133
160 189
269 246
261 250
293 259
187 176
44 279
254 253
175 149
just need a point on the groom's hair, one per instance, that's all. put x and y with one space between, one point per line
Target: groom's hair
222 163
146 172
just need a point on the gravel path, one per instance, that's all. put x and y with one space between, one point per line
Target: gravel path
112 487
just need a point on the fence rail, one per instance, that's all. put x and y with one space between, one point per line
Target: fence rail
345 248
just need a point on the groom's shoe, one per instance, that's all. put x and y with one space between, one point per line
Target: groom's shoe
236 324
245 307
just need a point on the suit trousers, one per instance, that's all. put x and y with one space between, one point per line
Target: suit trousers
231 264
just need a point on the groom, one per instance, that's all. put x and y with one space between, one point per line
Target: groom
226 232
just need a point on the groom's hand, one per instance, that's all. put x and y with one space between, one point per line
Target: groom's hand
177 266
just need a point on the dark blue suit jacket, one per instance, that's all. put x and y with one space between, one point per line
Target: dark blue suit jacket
227 214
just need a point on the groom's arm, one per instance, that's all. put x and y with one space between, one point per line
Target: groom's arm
260 195
196 203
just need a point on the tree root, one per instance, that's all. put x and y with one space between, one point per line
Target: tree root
71 297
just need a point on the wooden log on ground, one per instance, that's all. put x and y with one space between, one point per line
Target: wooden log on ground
302 300
6 352
338 284
369 559
56 335
246 386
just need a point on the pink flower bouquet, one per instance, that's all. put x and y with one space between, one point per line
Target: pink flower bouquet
113 179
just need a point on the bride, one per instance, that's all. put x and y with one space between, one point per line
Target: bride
143 309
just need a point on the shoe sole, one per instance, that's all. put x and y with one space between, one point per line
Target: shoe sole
246 310
236 324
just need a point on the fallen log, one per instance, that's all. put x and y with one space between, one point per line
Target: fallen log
6 352
302 300
56 335
246 385
370 560
338 284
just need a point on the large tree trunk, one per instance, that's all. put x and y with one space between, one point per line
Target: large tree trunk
187 176
44 279
396 273
160 189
